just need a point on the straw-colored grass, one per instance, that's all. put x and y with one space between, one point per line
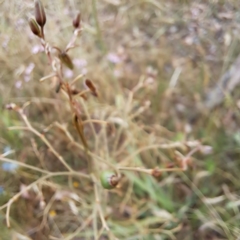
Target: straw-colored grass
152 63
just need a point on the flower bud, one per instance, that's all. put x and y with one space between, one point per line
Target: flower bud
109 180
34 27
40 13
77 20
66 59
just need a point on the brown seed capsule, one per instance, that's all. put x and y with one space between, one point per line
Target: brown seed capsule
40 13
66 59
79 126
91 86
34 26
58 87
77 21
156 173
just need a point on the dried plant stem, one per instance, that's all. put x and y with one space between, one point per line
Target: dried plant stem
49 175
82 93
150 171
122 147
37 153
24 165
74 234
76 144
127 197
47 77
139 111
100 233
95 227
88 116
43 138
42 32
99 208
92 166
211 209
73 39
117 139
47 50
95 121
106 143
76 79
45 214
155 146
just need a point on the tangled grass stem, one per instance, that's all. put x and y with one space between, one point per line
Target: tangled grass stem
49 175
43 138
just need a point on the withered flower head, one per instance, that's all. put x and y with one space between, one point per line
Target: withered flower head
77 20
40 13
34 26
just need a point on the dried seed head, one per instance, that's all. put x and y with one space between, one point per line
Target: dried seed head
40 13
109 180
91 86
34 26
156 173
65 59
77 21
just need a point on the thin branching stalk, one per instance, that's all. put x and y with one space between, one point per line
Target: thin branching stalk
43 138
150 171
23 165
49 175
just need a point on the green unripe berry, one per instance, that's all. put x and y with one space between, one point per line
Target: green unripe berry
109 180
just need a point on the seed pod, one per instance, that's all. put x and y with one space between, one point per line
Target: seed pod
77 20
156 173
40 13
34 26
109 180
58 87
91 86
79 126
66 59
